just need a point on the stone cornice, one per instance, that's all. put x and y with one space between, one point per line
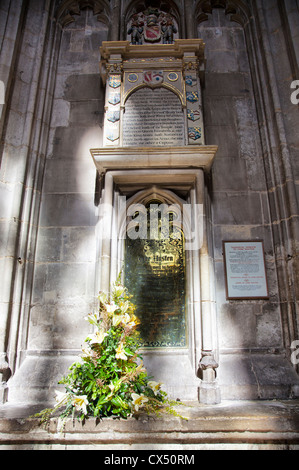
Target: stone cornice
130 158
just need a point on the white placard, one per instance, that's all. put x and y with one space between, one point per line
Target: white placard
245 270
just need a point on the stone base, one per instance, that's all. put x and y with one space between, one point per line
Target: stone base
209 393
244 425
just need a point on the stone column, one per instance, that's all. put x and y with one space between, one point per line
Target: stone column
105 232
30 76
115 20
209 392
189 18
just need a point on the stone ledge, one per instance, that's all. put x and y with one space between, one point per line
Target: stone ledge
269 423
130 158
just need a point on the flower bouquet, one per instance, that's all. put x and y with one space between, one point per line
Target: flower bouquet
109 378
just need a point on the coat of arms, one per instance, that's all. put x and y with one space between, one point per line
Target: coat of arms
152 25
192 96
153 78
114 98
152 28
190 80
113 116
114 81
193 115
112 134
194 133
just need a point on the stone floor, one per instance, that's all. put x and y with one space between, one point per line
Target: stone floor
244 425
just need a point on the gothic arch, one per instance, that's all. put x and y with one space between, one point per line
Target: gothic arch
168 87
69 8
144 197
237 10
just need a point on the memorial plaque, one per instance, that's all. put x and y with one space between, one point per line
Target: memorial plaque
153 118
245 271
155 276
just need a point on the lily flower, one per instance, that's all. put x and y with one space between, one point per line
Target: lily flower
138 400
111 307
103 297
87 351
80 403
125 319
120 352
98 337
119 290
116 320
61 398
125 306
92 319
155 386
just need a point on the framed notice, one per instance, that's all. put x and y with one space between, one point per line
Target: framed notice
245 272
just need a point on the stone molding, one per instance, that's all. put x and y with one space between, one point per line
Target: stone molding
127 158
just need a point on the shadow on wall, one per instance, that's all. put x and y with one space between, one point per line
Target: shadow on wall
64 279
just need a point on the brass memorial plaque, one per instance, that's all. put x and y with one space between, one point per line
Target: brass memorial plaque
155 276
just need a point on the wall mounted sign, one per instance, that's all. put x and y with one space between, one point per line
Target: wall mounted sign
245 271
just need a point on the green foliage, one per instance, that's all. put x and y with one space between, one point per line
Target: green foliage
109 378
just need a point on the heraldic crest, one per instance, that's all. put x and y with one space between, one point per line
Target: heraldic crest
152 26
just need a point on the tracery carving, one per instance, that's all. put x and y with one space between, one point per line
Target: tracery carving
237 10
68 9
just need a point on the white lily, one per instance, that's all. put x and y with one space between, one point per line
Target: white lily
116 320
80 403
125 306
155 386
125 319
103 297
119 290
138 400
121 353
87 351
92 319
61 398
98 337
111 307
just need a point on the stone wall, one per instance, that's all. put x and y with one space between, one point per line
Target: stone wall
251 336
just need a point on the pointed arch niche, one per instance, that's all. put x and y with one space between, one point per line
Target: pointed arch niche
175 177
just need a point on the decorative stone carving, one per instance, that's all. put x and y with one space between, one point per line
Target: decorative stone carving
152 26
237 10
207 362
68 9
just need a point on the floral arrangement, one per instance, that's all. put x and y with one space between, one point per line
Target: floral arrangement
109 378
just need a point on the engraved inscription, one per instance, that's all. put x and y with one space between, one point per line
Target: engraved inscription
155 273
153 118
